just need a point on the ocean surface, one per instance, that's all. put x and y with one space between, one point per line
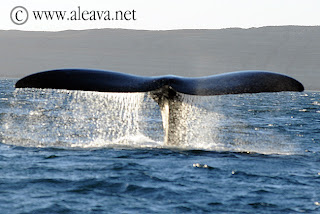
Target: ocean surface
89 152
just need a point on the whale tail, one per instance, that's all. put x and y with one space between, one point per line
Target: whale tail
170 104
164 90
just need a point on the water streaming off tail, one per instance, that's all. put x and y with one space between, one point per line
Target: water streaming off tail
72 118
196 122
241 123
62 118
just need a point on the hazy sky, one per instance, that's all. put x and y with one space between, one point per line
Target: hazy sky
166 14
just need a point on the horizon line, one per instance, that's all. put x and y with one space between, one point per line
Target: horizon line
155 30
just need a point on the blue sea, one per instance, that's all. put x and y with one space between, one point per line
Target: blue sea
89 152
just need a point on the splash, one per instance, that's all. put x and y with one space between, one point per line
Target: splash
230 123
196 123
80 119
46 117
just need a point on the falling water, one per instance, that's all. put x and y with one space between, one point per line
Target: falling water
195 124
46 117
63 118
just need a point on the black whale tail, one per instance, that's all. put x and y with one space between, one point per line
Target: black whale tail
163 89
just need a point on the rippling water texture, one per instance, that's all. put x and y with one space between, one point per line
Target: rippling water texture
88 152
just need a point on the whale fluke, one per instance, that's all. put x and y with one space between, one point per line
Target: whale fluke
163 89
108 81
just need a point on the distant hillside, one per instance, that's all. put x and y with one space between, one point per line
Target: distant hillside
291 50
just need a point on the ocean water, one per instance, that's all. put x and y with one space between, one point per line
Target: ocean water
88 152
